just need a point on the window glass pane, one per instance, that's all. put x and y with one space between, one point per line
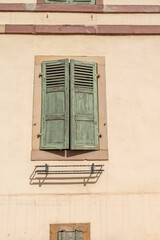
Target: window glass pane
76 235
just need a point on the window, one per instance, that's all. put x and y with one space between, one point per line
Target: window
76 124
69 105
71 1
74 235
70 231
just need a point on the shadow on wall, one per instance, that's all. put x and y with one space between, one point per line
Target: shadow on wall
65 174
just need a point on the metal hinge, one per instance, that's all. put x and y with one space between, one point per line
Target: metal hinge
97 75
100 135
39 135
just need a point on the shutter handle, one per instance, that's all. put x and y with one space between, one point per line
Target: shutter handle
100 135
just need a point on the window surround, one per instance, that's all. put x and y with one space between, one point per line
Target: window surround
38 155
97 3
84 227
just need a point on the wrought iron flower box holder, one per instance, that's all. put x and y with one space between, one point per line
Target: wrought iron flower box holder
87 173
46 170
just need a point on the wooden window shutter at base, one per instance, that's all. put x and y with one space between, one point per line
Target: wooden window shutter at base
55 105
83 106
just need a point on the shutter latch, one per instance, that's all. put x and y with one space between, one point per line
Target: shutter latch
40 75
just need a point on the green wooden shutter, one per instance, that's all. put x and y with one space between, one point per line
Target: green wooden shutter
83 106
55 105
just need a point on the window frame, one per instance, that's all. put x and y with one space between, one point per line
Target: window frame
83 227
40 155
93 2
76 6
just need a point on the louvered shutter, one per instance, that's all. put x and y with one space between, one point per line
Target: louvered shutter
83 106
55 105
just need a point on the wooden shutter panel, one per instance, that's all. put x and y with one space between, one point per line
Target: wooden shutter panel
55 105
83 106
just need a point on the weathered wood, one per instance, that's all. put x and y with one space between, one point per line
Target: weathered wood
84 106
55 105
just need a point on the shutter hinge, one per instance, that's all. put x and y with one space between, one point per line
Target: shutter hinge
39 135
100 135
40 75
97 75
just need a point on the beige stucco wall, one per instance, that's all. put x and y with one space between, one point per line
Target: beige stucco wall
119 2
74 18
18 1
132 2
125 202
132 73
112 217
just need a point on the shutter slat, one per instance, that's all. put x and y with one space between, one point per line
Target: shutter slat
84 106
87 77
55 108
52 69
60 80
55 73
83 73
57 80
81 69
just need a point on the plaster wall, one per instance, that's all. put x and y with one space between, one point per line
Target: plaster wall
111 217
132 75
74 18
132 2
118 2
18 1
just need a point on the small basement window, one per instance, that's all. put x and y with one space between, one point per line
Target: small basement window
70 231
65 235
